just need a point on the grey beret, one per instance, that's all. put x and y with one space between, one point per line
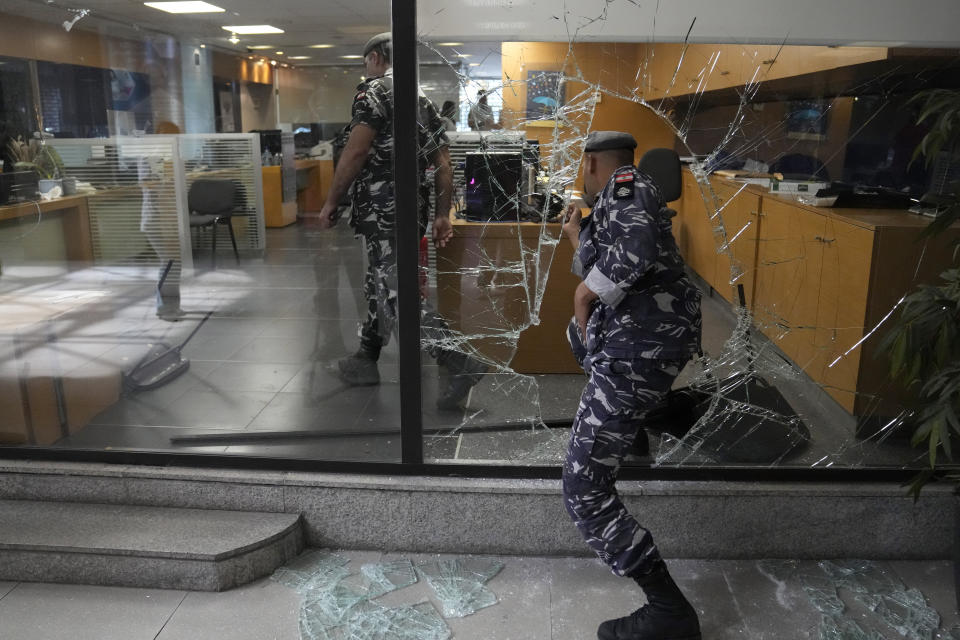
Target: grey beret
377 40
607 140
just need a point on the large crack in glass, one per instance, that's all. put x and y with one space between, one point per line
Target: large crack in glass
797 294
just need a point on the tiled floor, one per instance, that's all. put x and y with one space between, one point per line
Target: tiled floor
538 599
265 361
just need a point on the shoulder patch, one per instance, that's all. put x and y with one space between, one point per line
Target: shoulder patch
623 185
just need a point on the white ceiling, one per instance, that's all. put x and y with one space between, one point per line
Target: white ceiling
347 24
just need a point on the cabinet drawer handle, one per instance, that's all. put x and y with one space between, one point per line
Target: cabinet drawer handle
759 214
824 240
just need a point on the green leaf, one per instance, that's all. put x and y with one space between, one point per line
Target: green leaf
918 482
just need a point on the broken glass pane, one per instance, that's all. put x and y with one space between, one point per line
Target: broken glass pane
878 600
340 605
459 584
905 611
391 575
837 628
790 376
317 569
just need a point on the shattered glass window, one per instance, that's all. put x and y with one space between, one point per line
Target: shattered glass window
790 181
796 204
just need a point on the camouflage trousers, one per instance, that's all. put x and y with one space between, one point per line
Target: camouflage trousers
608 420
380 291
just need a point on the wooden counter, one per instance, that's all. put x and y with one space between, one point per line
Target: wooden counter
818 280
76 222
488 279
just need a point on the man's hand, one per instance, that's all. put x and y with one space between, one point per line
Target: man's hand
582 299
327 217
442 231
571 225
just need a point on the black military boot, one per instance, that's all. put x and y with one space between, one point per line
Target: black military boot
465 372
666 616
360 369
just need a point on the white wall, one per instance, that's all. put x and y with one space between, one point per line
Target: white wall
933 23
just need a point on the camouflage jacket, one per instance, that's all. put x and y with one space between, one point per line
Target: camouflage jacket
373 194
648 308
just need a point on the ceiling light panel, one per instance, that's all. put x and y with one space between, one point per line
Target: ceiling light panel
185 7
251 29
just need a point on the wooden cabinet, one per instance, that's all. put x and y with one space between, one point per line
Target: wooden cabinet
721 246
822 280
789 268
693 230
847 261
737 223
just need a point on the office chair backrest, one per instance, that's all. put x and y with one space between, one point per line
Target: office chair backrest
211 196
663 165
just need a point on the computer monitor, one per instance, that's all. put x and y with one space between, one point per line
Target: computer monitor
492 185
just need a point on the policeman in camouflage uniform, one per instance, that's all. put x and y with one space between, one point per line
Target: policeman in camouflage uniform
636 324
367 163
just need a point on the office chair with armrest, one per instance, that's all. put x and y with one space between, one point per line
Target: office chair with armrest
213 202
663 166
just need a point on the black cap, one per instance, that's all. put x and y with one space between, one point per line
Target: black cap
376 41
608 140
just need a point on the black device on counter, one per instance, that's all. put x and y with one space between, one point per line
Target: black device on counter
865 197
492 185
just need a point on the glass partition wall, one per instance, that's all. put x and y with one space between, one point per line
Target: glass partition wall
785 157
173 290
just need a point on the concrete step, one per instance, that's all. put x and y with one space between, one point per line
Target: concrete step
142 546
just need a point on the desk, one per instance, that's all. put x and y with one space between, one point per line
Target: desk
489 274
276 212
76 222
313 181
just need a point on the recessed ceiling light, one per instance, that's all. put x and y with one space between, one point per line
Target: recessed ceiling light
250 29
273 62
464 55
321 46
449 44
278 53
233 38
261 46
185 7
353 56
300 57
203 46
474 64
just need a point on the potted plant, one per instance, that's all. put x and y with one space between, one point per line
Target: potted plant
41 159
923 344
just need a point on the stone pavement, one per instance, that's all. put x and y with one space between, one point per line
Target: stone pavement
538 599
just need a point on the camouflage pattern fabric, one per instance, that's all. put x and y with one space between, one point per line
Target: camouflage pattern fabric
380 290
640 334
648 308
373 213
374 206
616 396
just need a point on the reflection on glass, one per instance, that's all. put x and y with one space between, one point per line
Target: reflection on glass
163 287
795 212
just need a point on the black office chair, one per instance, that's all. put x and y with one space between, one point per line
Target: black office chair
213 202
663 166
